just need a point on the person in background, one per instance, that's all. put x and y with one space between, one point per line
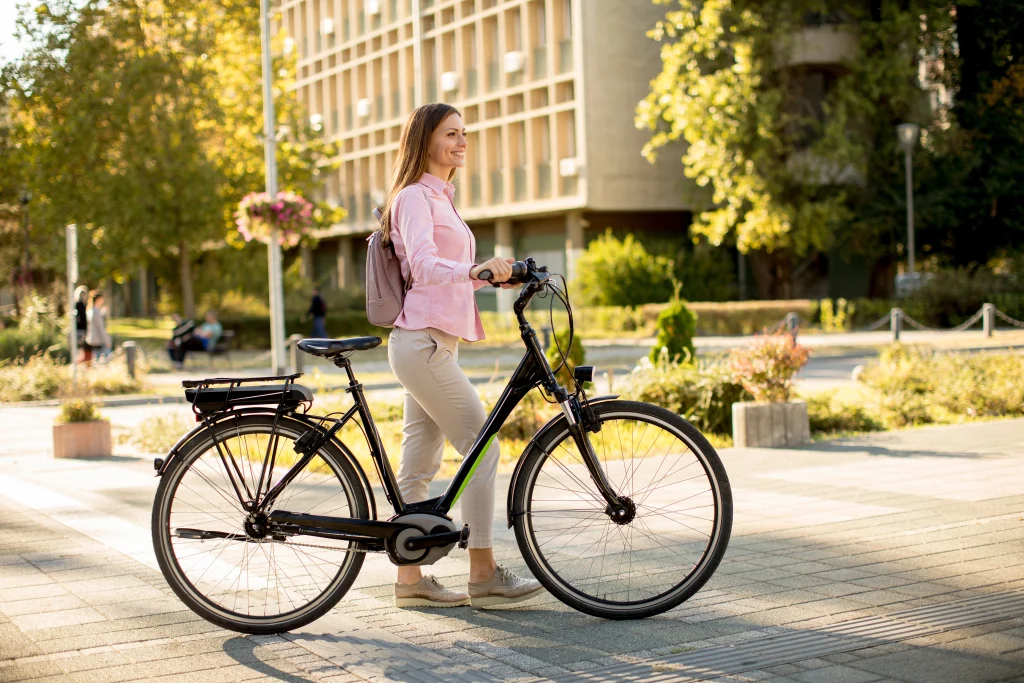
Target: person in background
202 338
210 331
318 309
82 323
182 332
96 335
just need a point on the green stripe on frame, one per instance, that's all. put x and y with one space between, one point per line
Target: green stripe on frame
473 469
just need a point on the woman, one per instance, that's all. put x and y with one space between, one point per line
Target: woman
96 336
82 323
436 250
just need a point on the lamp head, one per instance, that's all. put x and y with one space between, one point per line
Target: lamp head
907 133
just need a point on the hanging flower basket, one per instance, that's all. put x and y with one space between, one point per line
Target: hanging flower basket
288 212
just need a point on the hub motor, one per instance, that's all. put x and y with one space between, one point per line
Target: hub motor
424 523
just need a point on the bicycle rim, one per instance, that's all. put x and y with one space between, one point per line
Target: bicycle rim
245 579
672 539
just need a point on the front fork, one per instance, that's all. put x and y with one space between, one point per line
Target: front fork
573 412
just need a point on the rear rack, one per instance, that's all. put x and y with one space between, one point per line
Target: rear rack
235 381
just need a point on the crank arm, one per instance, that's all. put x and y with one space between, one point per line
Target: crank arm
437 540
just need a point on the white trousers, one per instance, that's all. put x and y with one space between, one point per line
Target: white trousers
440 402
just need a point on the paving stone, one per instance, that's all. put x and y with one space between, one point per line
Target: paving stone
836 673
921 665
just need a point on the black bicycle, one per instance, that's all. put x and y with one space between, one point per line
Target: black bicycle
263 514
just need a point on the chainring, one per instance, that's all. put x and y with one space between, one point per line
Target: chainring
424 523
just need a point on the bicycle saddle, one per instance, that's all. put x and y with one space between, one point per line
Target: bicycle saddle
332 347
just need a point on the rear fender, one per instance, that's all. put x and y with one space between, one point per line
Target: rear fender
555 424
339 448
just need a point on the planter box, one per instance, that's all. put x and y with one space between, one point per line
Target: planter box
770 425
81 439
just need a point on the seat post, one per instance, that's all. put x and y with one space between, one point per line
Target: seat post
343 362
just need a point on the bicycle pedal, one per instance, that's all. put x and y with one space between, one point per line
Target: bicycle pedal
464 537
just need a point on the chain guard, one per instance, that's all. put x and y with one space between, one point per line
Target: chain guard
424 523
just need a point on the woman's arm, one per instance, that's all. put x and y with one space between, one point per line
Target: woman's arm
415 232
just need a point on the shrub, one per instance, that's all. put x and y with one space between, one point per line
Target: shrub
747 317
829 417
677 325
43 377
577 355
77 410
836 316
766 367
918 387
614 272
40 377
38 330
903 383
158 433
702 392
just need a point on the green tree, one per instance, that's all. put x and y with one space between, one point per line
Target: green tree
138 122
614 272
785 169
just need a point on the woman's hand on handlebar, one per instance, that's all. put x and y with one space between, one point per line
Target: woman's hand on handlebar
501 269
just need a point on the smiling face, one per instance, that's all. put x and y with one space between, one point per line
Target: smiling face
447 148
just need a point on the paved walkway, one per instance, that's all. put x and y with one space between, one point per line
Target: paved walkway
893 557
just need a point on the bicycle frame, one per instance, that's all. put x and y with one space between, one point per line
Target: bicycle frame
533 370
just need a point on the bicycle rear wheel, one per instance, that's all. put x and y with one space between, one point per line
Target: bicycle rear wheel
667 543
220 560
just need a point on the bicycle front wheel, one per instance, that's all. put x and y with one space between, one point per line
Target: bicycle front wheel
654 554
220 559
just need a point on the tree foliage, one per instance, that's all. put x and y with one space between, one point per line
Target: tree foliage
802 160
614 272
142 123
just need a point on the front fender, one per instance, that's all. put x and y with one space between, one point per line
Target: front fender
557 422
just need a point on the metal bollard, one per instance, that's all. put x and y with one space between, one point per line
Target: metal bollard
896 323
131 352
293 343
792 321
546 331
609 374
988 319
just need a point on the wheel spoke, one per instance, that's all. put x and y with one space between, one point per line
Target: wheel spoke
650 553
258 578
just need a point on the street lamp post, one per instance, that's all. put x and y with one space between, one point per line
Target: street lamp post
269 150
908 134
26 266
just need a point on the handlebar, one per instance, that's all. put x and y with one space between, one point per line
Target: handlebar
521 270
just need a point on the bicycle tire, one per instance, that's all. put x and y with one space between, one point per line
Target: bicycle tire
330 462
532 507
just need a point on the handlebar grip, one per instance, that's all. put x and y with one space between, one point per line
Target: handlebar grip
519 269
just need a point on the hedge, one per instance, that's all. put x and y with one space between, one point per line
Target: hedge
253 332
608 322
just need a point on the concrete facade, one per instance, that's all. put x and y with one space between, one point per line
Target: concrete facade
547 89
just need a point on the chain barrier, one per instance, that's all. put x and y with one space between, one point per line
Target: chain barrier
970 321
907 320
884 320
1007 319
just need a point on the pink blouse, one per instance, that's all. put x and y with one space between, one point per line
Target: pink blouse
436 248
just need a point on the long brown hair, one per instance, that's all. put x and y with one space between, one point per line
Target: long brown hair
411 160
